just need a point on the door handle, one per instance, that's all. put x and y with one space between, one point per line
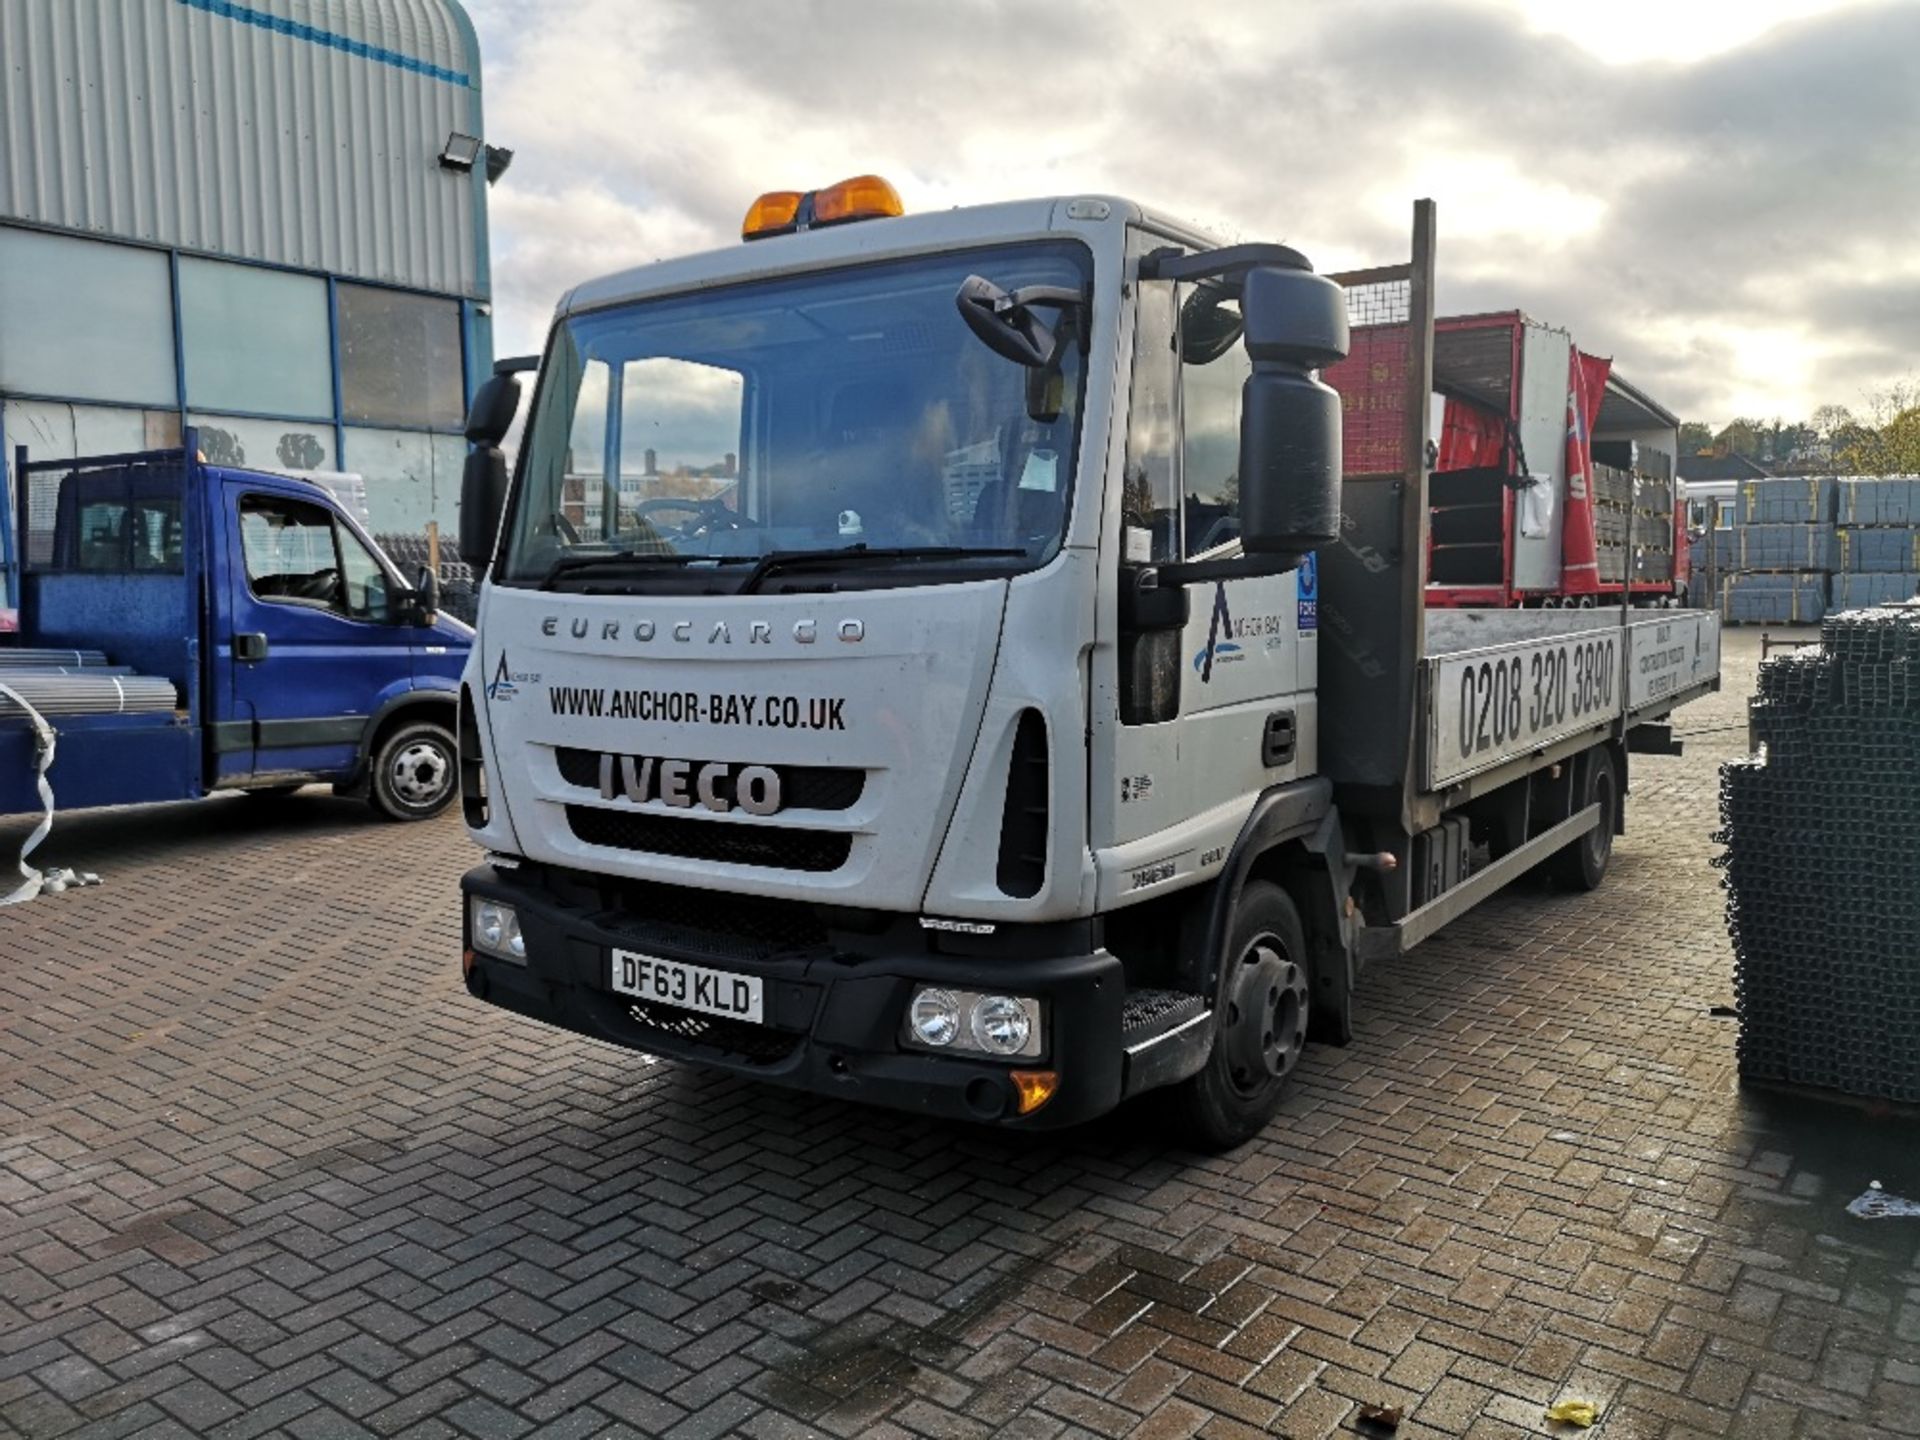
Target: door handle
1277 739
250 645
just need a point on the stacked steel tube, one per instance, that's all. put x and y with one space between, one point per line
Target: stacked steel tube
1822 863
78 682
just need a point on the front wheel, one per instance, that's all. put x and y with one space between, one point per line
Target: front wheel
1260 1024
415 771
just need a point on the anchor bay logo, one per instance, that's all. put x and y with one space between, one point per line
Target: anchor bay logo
506 683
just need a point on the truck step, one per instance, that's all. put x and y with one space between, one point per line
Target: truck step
1147 1013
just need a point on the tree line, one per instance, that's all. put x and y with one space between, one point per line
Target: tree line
1883 438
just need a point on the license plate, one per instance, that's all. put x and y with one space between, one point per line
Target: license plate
691 987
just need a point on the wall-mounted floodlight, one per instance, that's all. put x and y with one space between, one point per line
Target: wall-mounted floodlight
461 153
498 159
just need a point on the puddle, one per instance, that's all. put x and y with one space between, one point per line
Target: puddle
870 1358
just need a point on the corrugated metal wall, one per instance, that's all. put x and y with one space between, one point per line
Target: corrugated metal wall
296 132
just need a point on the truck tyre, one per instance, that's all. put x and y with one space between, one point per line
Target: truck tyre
415 771
1583 864
1260 1024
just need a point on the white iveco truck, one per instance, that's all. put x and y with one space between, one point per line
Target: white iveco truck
939 661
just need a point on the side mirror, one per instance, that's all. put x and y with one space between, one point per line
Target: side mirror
494 405
483 496
1296 322
426 595
1005 323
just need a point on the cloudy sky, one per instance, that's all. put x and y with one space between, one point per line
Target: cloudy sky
1723 196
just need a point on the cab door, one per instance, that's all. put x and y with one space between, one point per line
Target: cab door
314 640
1215 712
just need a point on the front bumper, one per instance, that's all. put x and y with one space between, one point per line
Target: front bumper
833 1009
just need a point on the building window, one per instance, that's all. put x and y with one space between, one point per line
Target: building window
85 320
400 359
1213 370
411 478
255 340
292 446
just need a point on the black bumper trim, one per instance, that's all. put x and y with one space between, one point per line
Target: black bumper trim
843 1006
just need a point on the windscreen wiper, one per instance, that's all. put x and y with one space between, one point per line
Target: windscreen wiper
568 564
862 555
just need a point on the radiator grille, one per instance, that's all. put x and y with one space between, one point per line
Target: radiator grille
802 787
726 842
738 1039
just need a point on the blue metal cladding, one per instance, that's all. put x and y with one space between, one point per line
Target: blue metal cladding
281 25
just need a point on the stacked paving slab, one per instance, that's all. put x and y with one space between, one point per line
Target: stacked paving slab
1783 548
1878 534
1822 862
1803 545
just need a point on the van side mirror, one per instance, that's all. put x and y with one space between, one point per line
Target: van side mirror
1296 322
426 595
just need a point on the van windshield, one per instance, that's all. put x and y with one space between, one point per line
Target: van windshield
848 411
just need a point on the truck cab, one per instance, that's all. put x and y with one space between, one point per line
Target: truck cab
293 648
903 668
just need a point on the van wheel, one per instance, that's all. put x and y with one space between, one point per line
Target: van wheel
1260 1024
415 771
1583 864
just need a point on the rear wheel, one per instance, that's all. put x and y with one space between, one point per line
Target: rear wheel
1583 864
415 771
1260 1024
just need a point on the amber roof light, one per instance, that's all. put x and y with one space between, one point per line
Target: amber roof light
783 212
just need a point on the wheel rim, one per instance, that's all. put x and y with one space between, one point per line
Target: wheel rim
1600 838
419 773
1266 1019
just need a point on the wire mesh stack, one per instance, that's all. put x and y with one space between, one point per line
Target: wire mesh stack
1822 863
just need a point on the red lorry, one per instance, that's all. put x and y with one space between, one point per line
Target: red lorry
1553 478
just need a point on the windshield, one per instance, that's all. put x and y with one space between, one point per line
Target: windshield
847 411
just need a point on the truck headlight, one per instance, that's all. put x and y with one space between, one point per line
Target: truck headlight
935 1017
496 930
1001 1025
1009 1026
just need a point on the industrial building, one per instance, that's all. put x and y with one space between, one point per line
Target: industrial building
266 220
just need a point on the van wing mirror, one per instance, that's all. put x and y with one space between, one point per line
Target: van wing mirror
426 595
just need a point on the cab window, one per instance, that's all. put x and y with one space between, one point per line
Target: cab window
298 553
1213 371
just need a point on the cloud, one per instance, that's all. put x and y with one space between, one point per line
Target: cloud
1736 231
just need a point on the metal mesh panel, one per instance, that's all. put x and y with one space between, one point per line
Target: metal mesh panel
1372 380
1379 302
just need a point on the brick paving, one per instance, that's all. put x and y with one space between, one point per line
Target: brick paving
265 1168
